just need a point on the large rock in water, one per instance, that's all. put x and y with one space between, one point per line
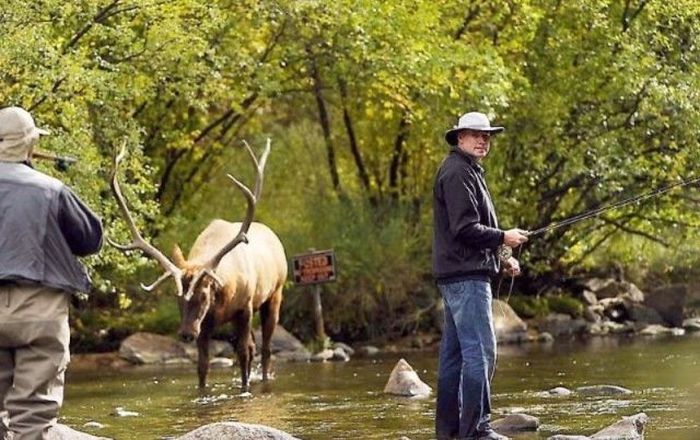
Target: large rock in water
281 341
62 432
404 381
149 348
508 325
629 428
236 431
669 301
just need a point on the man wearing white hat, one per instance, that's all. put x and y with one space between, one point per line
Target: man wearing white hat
43 227
465 239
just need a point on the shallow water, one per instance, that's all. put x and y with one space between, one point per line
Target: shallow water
345 400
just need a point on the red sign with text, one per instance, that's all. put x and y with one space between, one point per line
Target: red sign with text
314 268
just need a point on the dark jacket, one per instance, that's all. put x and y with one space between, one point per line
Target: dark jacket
466 233
43 227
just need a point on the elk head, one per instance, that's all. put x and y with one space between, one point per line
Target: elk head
196 284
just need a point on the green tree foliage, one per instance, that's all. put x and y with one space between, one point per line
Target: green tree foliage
599 97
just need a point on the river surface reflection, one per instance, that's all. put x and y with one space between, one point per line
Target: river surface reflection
345 400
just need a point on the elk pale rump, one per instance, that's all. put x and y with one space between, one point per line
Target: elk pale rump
232 270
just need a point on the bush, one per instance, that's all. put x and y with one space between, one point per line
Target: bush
528 307
566 304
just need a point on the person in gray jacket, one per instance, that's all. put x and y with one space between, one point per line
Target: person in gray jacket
43 227
466 237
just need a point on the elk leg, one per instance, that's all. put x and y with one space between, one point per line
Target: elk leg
243 328
203 355
269 315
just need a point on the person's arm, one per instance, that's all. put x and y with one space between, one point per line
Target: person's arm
463 215
81 228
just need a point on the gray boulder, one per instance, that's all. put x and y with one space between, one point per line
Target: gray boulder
149 348
281 340
660 330
669 301
63 432
641 313
629 428
691 324
568 437
602 390
238 431
516 422
558 324
404 381
508 325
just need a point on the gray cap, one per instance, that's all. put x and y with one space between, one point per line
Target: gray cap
470 121
18 133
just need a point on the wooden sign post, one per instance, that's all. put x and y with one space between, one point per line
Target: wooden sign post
314 269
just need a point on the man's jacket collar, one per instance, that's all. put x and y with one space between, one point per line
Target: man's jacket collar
469 159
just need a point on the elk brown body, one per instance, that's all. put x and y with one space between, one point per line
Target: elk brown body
252 277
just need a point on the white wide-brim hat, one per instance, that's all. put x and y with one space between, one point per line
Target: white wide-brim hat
471 121
18 133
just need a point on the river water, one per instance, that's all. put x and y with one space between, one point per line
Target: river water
345 401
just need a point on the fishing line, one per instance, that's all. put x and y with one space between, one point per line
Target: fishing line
598 211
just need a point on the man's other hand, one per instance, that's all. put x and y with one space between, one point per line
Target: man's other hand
512 269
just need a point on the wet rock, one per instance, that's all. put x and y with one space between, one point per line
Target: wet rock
593 313
63 432
669 301
609 327
216 348
508 325
232 430
644 314
559 391
367 351
516 422
281 340
545 337
121 412
659 330
629 428
404 381
691 324
602 390
149 348
632 292
340 355
589 297
178 361
345 347
221 362
97 361
322 356
294 356
558 324
568 437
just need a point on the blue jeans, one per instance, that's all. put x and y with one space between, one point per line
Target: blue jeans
467 360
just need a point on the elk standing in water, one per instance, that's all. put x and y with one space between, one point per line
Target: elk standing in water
221 281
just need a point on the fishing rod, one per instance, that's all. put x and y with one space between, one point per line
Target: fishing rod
506 252
598 211
60 162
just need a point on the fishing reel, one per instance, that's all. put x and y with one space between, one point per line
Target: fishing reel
504 254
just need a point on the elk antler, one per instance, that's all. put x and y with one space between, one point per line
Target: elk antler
138 241
252 198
